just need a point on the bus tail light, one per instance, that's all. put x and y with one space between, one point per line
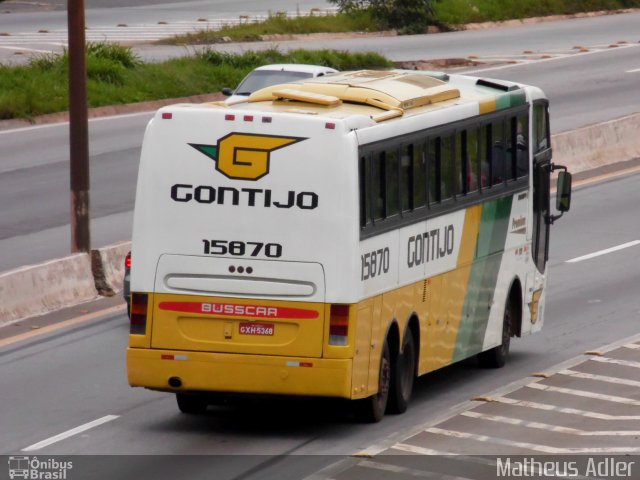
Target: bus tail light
127 261
339 325
139 302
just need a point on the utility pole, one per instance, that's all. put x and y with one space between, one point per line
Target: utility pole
78 128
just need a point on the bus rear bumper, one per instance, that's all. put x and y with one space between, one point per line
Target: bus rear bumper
232 373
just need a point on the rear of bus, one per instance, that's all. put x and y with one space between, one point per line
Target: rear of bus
242 218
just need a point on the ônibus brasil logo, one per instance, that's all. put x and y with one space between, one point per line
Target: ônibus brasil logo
245 156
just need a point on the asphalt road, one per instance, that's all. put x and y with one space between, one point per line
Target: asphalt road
65 380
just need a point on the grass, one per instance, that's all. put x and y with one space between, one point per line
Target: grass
116 76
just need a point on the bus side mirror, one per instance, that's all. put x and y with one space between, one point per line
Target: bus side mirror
563 192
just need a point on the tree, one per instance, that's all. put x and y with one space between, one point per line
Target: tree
407 16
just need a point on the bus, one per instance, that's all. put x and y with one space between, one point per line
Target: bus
339 237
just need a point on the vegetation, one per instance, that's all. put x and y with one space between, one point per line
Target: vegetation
406 16
116 76
455 12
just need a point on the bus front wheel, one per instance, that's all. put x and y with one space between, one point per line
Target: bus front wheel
191 404
497 356
371 409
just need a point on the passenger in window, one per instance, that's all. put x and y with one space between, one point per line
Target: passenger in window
522 154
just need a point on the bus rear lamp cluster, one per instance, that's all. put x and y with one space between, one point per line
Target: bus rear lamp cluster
139 303
127 261
339 325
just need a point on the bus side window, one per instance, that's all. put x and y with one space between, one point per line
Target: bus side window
541 128
460 163
434 170
377 186
392 173
446 167
511 137
484 142
406 184
419 176
365 207
472 159
522 147
497 152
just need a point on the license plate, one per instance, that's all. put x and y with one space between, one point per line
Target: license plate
252 328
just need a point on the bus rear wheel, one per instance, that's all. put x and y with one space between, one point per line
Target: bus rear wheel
191 404
371 409
497 356
402 376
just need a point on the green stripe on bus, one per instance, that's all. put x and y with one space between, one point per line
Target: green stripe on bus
511 99
483 278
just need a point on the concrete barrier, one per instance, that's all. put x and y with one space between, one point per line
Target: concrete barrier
38 289
597 145
108 267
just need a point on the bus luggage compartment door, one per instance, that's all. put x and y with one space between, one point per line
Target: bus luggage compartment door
260 307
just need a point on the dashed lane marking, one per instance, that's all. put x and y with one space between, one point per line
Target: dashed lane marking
551 428
582 393
70 433
604 252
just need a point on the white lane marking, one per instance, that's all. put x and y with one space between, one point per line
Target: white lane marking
69 433
554 408
636 70
615 361
405 447
600 378
632 346
66 122
531 446
582 393
551 428
604 252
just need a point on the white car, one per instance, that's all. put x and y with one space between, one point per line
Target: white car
268 75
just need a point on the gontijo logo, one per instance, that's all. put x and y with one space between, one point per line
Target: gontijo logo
245 156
